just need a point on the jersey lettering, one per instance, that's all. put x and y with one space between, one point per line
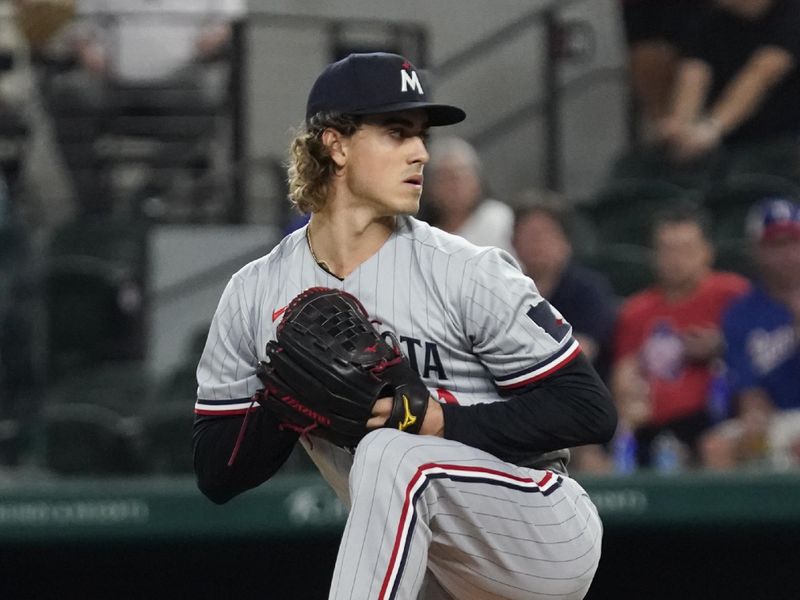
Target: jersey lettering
554 325
411 350
433 363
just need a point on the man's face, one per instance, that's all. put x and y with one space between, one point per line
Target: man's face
682 254
455 185
540 244
383 162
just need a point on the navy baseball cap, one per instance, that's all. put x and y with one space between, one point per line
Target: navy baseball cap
374 83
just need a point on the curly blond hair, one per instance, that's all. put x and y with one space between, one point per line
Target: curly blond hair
310 167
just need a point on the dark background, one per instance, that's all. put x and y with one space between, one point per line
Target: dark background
683 563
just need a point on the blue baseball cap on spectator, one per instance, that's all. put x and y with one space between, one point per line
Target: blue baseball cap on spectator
375 83
773 219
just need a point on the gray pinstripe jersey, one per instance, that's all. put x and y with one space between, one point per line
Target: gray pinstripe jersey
467 318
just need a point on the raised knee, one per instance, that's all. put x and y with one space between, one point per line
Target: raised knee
379 437
380 451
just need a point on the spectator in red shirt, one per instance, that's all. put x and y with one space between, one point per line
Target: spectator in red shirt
668 336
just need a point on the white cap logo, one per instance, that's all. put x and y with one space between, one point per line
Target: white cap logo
409 79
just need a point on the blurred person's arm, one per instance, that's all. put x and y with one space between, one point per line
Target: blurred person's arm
652 67
742 97
739 100
702 344
631 392
589 345
629 386
755 412
92 54
692 85
212 41
83 40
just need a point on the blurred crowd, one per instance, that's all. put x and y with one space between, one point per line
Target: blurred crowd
680 275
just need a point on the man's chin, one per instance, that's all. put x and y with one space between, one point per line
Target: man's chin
412 209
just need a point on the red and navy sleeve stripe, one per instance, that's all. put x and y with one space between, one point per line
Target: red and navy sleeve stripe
540 370
236 406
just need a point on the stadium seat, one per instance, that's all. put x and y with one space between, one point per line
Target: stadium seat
118 241
14 142
13 249
166 435
124 387
627 266
18 309
621 212
94 314
83 439
12 441
734 255
778 157
649 163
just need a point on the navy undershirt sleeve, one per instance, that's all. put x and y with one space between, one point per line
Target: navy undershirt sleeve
262 451
570 408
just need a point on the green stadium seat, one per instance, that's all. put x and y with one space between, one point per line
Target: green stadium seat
166 436
621 212
94 314
779 157
649 163
118 241
627 266
13 249
83 439
124 387
734 255
19 338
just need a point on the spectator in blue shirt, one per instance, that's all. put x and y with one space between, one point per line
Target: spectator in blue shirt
762 333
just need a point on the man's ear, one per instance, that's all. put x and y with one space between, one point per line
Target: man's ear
336 144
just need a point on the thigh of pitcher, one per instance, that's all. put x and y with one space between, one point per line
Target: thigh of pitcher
516 533
496 530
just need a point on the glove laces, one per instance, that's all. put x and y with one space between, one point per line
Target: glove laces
303 431
385 364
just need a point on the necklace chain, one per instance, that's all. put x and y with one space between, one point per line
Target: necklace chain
311 247
321 263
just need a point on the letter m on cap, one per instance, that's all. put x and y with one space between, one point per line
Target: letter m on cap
410 80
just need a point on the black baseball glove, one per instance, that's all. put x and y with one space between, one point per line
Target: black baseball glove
328 367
